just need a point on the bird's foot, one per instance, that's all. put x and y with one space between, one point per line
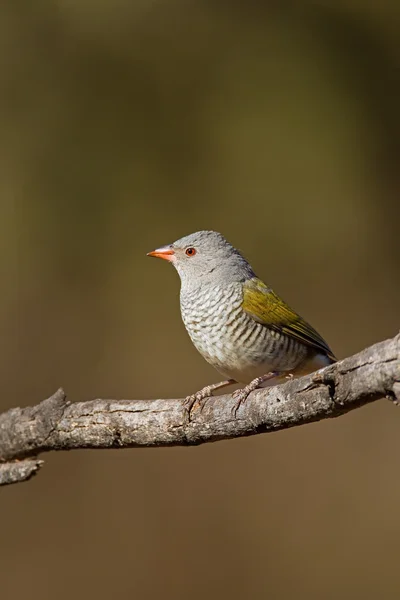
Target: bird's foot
205 392
240 395
189 401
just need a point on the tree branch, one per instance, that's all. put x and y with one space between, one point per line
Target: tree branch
56 424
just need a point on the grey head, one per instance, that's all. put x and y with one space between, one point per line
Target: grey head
205 257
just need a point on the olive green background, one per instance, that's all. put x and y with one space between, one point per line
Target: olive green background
125 125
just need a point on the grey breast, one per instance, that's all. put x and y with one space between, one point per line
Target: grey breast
227 337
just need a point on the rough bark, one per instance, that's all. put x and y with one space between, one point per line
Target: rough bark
56 424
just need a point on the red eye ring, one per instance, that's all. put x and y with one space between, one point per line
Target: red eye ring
190 251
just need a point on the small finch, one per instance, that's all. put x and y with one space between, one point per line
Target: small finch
236 322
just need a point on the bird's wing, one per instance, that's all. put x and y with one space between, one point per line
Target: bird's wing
265 307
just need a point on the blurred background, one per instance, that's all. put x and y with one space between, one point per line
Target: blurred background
125 125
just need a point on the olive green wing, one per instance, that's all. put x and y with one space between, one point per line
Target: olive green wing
265 307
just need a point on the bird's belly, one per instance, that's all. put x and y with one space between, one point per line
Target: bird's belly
285 367
247 373
244 353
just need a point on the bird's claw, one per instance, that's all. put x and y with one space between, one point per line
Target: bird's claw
204 393
239 396
191 400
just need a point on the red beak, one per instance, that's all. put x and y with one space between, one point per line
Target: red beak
166 252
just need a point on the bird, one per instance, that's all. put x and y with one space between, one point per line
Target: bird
236 321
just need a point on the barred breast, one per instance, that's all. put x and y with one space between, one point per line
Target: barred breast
230 340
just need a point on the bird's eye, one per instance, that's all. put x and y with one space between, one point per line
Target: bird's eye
190 251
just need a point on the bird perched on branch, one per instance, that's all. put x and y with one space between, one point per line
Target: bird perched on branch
238 324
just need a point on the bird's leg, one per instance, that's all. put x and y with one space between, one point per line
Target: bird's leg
206 392
241 394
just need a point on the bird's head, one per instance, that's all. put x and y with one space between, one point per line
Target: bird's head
205 257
